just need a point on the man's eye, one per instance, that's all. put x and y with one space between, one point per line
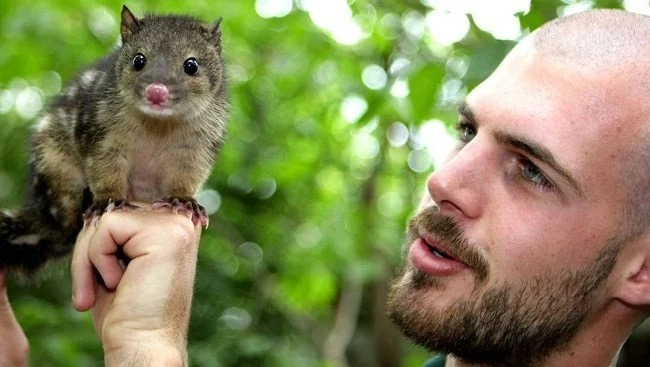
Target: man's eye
531 173
466 131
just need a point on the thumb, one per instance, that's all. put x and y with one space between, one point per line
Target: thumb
14 346
5 306
3 286
3 279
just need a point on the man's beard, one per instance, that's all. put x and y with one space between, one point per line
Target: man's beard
508 324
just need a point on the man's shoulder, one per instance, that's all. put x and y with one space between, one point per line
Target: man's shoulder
437 361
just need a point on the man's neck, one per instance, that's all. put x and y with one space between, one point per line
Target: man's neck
572 362
597 344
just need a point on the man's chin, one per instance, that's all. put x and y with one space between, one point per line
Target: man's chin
409 307
433 320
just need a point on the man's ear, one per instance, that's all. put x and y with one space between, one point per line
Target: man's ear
634 289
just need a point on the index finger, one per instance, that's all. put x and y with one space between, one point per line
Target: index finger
84 285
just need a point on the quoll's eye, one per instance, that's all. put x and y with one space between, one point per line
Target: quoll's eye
139 61
191 66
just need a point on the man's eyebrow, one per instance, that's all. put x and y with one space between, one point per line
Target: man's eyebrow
534 149
466 111
539 152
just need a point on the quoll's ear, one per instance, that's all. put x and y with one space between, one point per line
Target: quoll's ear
215 32
215 28
130 23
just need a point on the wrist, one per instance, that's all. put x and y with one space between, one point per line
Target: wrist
150 353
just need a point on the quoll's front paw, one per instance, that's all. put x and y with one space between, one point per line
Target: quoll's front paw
187 206
102 206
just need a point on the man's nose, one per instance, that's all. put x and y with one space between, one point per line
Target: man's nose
459 187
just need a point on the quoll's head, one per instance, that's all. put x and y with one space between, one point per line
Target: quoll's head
170 66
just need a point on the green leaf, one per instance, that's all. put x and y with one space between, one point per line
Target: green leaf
423 86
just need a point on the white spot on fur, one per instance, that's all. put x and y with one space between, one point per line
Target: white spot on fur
67 202
44 123
71 91
9 214
88 77
28 239
53 211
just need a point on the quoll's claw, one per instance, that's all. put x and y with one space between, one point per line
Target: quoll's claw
100 207
114 204
90 215
188 206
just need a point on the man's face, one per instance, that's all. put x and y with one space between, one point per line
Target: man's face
510 253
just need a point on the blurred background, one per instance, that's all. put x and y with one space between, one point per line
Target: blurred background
340 111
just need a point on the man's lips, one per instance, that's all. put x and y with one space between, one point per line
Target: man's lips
431 257
438 248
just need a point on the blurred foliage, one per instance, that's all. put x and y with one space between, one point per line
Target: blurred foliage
321 170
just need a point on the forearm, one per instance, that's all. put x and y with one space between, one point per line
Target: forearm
149 354
157 347
14 347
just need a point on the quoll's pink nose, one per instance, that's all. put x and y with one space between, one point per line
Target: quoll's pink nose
156 93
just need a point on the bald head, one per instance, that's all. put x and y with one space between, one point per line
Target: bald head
614 42
600 38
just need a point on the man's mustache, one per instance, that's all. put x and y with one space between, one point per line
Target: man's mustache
430 222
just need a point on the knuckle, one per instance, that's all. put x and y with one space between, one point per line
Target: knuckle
181 230
108 219
19 353
23 348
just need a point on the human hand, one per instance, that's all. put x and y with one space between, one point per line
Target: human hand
140 312
14 347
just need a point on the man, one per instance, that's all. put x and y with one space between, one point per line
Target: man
531 248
